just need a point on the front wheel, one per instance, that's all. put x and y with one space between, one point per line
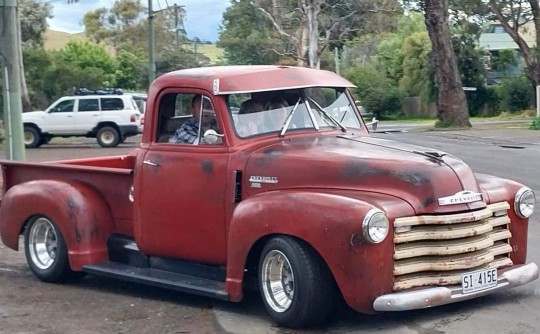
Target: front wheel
108 136
46 251
296 286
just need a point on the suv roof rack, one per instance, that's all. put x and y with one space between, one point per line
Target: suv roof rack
100 91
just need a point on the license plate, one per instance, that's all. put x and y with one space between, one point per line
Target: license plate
479 280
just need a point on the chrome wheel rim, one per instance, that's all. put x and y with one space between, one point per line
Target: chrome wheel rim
28 138
43 243
277 281
107 137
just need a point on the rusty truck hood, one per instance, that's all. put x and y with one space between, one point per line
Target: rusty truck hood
418 175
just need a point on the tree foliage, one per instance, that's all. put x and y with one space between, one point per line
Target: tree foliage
33 17
377 94
125 27
298 31
248 37
418 74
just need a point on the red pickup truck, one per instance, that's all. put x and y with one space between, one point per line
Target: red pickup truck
268 175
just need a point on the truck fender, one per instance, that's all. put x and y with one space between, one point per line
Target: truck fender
331 224
77 208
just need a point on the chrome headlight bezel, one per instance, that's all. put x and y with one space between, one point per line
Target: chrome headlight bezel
524 202
375 226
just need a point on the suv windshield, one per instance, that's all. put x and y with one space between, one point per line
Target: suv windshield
282 111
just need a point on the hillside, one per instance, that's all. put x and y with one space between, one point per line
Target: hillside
55 40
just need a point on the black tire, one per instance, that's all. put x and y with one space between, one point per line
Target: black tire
45 139
108 136
46 251
32 137
296 286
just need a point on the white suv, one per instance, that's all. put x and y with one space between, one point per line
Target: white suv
109 118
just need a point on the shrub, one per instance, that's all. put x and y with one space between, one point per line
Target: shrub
516 93
377 93
535 125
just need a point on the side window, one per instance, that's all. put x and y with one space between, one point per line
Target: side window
184 118
88 105
64 106
111 103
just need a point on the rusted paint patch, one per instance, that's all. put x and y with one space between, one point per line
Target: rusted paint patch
429 201
207 166
414 178
356 169
272 151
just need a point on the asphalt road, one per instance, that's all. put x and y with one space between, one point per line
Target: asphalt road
99 305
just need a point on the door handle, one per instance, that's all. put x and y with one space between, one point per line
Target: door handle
150 163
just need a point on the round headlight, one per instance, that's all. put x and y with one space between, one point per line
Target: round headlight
524 202
375 226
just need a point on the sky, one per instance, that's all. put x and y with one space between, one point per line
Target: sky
203 17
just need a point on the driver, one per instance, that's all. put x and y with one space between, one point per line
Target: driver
188 133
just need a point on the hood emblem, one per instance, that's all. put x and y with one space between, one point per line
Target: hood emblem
257 180
465 196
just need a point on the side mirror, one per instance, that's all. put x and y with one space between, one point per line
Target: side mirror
211 136
374 122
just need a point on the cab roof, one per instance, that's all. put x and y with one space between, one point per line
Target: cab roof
224 80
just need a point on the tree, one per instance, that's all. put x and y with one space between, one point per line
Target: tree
84 55
418 74
312 26
451 103
125 27
513 15
248 38
377 94
391 51
33 16
130 70
31 29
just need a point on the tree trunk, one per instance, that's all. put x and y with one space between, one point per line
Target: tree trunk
302 50
313 8
25 98
451 102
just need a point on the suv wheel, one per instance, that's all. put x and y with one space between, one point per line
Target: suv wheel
108 136
32 137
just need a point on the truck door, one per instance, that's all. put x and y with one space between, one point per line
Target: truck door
180 192
87 115
60 117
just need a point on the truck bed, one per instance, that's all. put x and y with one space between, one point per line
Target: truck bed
111 176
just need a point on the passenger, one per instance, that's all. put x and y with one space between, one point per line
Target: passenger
249 125
188 133
276 118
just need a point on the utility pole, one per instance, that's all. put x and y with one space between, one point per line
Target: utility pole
151 45
176 27
11 77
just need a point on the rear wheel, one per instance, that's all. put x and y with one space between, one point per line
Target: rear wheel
108 136
32 137
296 286
46 251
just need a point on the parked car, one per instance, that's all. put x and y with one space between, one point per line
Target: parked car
108 118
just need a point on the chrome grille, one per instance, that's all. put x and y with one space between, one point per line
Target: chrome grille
436 250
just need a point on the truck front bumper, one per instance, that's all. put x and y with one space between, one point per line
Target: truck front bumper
435 296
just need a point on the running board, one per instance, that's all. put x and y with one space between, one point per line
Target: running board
160 278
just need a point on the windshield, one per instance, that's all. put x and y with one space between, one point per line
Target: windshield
283 111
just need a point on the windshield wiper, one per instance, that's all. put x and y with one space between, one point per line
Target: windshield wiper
321 109
289 118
